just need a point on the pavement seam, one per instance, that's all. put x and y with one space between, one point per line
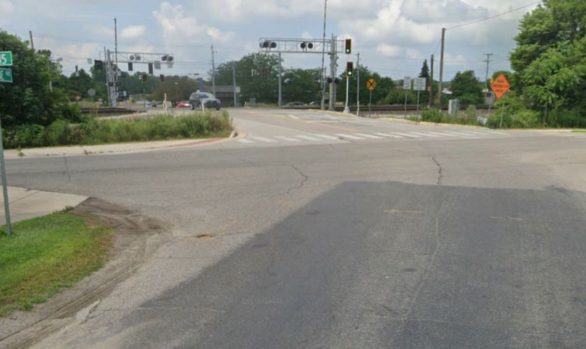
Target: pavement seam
440 174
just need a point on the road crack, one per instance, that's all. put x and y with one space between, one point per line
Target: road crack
440 171
303 180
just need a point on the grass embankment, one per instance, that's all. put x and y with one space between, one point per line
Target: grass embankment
99 131
46 254
467 117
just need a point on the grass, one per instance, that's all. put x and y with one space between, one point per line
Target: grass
579 130
467 117
46 254
102 131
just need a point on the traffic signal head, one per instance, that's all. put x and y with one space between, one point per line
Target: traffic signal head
348 46
98 65
349 68
129 66
150 68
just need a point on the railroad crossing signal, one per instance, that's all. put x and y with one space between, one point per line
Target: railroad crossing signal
370 84
6 58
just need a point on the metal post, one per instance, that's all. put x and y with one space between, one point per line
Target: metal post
405 104
30 34
280 99
115 70
234 83
213 72
333 57
441 73
358 84
323 54
369 102
346 108
418 91
431 84
5 186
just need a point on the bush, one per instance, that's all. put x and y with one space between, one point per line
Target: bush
437 116
93 131
511 112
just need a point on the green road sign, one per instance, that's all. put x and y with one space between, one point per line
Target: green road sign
6 58
5 75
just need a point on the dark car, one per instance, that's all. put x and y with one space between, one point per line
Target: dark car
208 100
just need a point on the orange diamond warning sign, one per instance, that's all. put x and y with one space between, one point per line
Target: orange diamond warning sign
500 86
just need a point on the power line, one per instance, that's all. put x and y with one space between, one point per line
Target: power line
493 16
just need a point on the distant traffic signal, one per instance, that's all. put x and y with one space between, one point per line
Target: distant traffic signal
98 65
150 68
349 68
348 46
129 66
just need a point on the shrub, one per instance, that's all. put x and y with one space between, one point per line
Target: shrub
93 131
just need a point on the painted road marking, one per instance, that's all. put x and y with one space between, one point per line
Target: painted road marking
288 139
368 136
263 139
306 137
348 136
245 141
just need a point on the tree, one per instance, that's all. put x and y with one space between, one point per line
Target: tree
467 88
177 88
424 71
30 100
383 86
78 84
549 60
256 74
301 85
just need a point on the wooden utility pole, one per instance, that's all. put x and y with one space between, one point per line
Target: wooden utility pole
431 82
441 72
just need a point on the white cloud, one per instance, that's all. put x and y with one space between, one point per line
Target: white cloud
180 28
389 50
6 7
133 32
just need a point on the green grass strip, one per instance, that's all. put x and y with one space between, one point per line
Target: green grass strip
46 254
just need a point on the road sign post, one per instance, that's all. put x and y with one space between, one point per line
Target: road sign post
419 84
406 86
5 77
6 58
370 86
500 86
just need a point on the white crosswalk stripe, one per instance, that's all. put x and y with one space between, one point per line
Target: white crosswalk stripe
424 134
387 135
366 135
344 135
288 139
264 139
330 137
406 135
308 138
358 136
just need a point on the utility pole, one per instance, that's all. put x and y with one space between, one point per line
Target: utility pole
280 98
116 59
358 84
234 83
346 108
213 72
30 34
323 54
487 60
441 72
333 59
431 83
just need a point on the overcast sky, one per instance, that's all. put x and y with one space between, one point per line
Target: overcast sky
392 36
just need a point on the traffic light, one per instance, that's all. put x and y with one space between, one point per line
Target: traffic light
98 65
348 46
150 68
129 66
349 68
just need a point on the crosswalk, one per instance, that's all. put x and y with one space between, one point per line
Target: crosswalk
305 138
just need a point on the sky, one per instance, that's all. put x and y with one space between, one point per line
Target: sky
392 36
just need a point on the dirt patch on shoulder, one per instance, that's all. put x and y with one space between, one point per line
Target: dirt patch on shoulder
135 238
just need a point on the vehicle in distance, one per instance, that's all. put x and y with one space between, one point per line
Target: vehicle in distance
184 104
295 105
208 100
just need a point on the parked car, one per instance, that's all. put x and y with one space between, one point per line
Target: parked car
184 104
208 100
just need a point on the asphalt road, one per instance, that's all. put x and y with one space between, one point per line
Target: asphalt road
340 232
